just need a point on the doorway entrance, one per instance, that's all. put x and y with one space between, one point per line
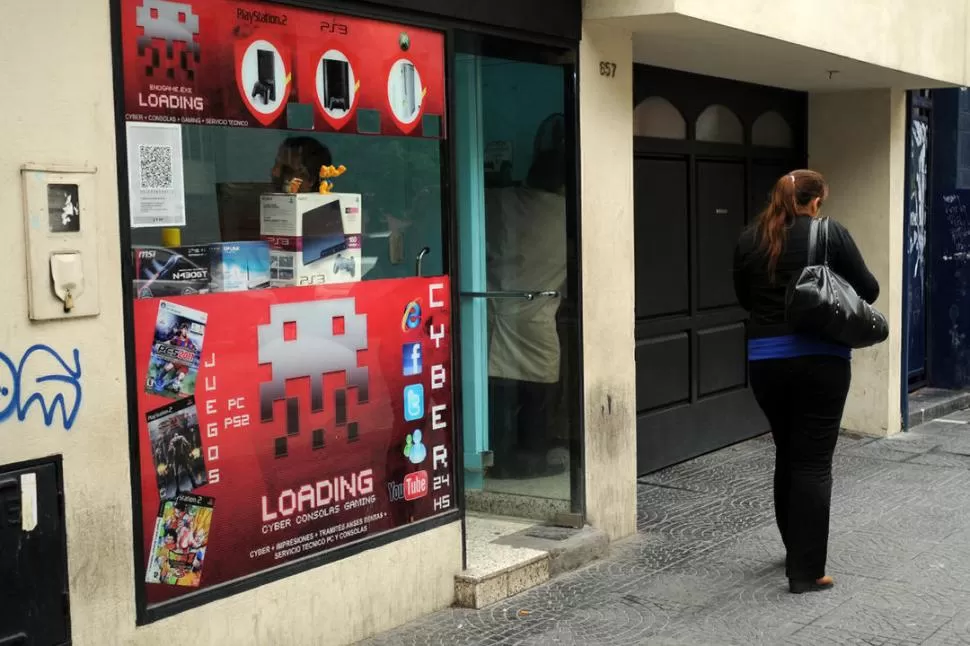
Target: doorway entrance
517 223
707 152
916 223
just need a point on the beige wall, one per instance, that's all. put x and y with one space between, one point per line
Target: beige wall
857 140
927 39
606 129
58 56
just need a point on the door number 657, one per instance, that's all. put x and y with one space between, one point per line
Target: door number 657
607 69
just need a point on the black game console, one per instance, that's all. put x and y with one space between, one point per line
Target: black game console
265 86
336 84
323 232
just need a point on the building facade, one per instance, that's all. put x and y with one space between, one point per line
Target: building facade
251 449
727 99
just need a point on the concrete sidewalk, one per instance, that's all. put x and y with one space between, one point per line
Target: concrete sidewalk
706 566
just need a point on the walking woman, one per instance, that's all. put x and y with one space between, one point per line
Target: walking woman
800 382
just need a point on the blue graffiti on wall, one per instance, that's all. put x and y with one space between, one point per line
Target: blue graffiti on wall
28 384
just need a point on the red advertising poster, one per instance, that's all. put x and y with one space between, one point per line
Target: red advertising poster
247 64
281 423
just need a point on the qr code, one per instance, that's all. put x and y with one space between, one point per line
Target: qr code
155 163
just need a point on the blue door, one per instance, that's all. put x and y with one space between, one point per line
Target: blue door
915 241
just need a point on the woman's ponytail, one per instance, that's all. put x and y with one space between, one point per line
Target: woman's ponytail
789 197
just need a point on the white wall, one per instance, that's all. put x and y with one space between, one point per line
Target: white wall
857 140
606 130
57 54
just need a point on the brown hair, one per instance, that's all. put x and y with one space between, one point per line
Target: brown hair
790 197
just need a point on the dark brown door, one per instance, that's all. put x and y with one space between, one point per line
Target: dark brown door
707 152
692 390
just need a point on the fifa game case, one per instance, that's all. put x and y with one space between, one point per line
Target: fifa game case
176 351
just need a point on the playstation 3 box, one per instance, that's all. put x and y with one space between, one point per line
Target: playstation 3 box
171 271
313 238
239 266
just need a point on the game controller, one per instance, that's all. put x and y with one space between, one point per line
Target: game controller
344 263
337 103
266 91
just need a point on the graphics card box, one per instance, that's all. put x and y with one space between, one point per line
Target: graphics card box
239 266
171 271
313 238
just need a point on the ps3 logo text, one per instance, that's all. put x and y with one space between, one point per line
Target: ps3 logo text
334 27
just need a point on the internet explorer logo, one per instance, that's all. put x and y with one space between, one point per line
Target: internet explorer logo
412 316
411 359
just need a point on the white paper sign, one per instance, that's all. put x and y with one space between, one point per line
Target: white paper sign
28 501
155 175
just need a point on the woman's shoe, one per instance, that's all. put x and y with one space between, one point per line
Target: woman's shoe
818 585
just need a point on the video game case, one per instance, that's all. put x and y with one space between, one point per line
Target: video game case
176 351
177 452
177 553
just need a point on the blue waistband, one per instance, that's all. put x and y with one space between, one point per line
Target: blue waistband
791 346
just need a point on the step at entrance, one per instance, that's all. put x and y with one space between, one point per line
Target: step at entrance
928 404
508 556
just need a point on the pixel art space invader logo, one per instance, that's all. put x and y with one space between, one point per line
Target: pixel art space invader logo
173 22
314 351
411 363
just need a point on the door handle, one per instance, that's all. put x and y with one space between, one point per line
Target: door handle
419 260
529 296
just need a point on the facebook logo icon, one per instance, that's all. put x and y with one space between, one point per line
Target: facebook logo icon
411 360
413 402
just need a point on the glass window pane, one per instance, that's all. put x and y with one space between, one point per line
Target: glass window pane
717 123
771 129
398 178
657 117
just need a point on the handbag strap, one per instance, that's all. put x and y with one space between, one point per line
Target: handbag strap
818 233
825 237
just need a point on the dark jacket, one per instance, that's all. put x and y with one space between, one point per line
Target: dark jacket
764 298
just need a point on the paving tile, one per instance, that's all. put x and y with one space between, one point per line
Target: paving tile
944 567
956 632
914 597
874 555
731 624
768 596
856 617
818 636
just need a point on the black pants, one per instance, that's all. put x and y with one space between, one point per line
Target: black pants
803 399
520 413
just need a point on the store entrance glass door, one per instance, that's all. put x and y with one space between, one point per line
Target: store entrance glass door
517 223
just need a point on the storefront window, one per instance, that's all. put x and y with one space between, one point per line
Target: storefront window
292 369
226 170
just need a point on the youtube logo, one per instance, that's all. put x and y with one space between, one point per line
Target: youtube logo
416 485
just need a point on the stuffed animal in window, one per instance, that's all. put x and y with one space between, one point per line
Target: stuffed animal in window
327 173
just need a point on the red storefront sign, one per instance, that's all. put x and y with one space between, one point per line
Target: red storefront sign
246 64
281 423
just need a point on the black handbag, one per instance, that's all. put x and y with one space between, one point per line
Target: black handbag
822 304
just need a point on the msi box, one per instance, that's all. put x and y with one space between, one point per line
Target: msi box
313 238
239 266
171 271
